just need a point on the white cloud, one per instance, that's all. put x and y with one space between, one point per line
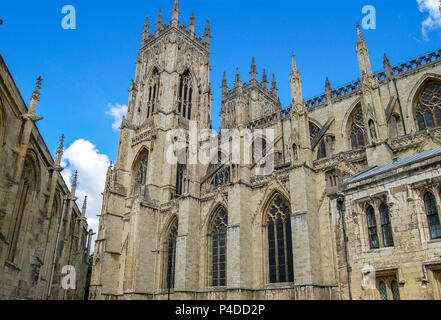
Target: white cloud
117 112
84 157
433 21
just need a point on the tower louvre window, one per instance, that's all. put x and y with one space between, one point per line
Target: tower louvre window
153 93
185 95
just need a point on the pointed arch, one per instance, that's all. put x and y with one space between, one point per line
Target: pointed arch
186 94
140 168
277 225
217 257
169 253
153 87
355 128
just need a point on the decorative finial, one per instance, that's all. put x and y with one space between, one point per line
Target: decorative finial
175 11
237 80
159 21
387 66
294 64
36 93
328 85
274 85
83 210
264 79
192 23
224 86
359 34
145 31
253 69
207 34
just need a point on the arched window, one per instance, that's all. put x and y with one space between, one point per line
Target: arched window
170 256
180 171
386 226
432 215
428 106
218 235
357 130
280 254
185 95
259 149
153 92
141 175
222 177
383 290
372 228
321 152
313 130
27 186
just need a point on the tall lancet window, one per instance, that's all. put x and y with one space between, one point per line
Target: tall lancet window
170 256
153 92
432 215
280 254
218 235
428 107
180 171
185 95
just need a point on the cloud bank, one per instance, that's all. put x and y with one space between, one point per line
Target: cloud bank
433 21
117 112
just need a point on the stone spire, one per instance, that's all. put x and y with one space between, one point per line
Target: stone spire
207 35
73 189
192 24
159 21
237 80
145 31
328 89
387 66
296 86
35 96
83 210
363 55
274 85
253 70
264 79
224 84
175 11
60 151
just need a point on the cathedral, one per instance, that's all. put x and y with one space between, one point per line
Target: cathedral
350 209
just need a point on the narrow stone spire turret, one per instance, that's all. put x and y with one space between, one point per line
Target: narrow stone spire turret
159 21
207 35
274 85
296 86
73 189
224 86
175 11
387 66
83 210
60 151
237 80
192 24
264 79
35 96
253 70
145 31
328 89
359 34
363 55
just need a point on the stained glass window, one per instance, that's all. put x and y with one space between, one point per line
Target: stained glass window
428 108
280 241
171 255
357 134
372 228
221 178
432 215
386 226
219 248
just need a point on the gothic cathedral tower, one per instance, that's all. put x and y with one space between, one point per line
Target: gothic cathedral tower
170 89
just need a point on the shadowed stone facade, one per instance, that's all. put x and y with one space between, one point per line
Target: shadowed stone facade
305 231
41 228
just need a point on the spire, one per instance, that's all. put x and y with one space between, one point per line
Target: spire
237 80
83 210
253 70
296 86
60 151
294 69
145 31
274 85
35 96
73 189
328 89
192 24
264 79
224 84
207 34
387 66
175 11
359 34
159 21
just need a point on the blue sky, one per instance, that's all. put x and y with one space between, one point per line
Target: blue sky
89 69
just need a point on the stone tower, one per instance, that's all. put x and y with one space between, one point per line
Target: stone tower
171 89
